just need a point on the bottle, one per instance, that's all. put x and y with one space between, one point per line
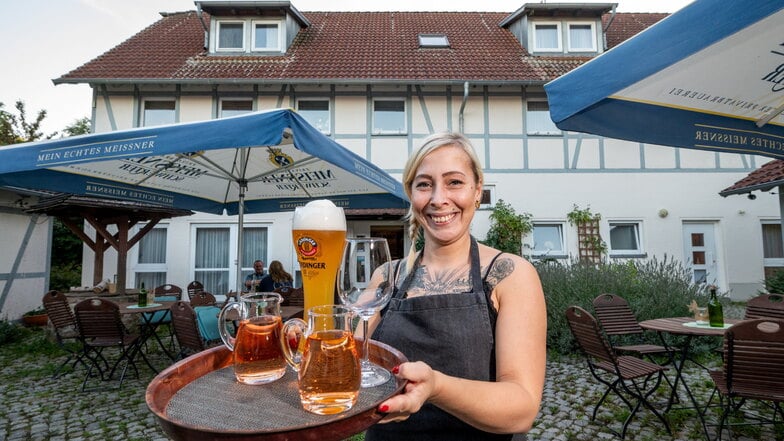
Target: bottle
715 310
142 297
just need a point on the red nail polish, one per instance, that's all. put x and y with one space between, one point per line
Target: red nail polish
383 408
395 370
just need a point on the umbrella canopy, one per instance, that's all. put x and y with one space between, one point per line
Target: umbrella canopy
710 77
268 161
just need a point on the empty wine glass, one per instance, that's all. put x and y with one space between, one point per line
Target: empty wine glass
365 284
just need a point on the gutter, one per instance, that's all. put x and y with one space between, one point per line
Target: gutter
262 81
462 106
203 25
609 22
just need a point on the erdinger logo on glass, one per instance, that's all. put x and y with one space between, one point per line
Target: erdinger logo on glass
308 249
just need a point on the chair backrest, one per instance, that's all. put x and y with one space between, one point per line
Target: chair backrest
59 311
753 358
194 287
167 290
765 306
185 327
589 337
203 298
291 296
99 318
615 315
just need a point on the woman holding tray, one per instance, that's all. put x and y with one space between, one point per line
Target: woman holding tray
470 319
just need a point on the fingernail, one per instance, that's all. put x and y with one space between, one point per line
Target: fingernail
395 370
383 408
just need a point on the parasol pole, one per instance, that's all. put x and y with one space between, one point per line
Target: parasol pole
241 214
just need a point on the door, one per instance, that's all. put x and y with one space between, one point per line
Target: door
699 246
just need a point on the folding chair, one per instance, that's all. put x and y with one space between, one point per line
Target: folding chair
753 360
765 306
186 330
100 327
65 329
193 288
203 298
617 319
163 293
627 375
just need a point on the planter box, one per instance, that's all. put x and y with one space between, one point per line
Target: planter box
35 320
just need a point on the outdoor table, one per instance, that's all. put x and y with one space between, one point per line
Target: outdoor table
149 328
685 327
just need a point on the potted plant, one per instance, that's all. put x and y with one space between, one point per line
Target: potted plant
35 317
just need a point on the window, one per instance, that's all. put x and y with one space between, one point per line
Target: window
231 36
772 249
389 117
316 112
547 37
235 107
582 37
625 239
215 254
150 267
548 240
266 36
488 197
538 121
158 112
433 40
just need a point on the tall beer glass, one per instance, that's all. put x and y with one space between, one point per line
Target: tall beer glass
319 233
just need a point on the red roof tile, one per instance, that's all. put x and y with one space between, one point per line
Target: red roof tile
764 178
364 46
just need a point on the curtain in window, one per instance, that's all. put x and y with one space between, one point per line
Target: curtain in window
212 259
152 247
538 122
580 37
254 247
771 241
546 37
548 239
150 280
266 36
623 237
230 36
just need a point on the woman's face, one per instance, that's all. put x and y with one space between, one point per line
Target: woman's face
443 194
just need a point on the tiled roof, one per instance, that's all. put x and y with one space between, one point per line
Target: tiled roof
356 46
764 178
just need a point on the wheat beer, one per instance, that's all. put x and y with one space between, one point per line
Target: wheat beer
258 357
319 233
330 374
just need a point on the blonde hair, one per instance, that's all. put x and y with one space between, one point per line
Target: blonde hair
278 274
429 145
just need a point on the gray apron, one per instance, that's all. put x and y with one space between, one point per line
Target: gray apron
454 334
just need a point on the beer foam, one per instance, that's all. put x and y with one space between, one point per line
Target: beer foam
320 214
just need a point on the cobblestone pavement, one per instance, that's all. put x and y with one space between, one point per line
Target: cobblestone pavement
37 407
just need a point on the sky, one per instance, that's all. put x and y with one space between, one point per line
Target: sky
46 39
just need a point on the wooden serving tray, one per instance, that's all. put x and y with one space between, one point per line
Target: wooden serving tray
198 399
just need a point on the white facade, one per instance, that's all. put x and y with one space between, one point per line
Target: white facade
662 192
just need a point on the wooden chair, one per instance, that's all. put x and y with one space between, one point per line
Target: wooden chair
163 293
765 306
752 366
291 296
186 330
168 290
618 320
194 287
100 327
203 298
66 330
629 375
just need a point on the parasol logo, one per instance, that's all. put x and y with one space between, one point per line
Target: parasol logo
280 159
307 246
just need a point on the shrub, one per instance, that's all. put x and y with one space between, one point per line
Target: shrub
507 228
654 288
775 283
10 332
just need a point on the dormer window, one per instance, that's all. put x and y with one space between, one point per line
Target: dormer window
249 35
433 40
547 37
582 37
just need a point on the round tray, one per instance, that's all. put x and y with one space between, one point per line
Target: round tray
198 399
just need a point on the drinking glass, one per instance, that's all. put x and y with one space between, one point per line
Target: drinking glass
365 284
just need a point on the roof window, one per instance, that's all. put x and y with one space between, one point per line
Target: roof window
433 40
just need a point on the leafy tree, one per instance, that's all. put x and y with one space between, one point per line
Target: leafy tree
80 126
507 228
15 129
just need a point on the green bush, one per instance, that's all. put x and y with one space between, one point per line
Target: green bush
775 283
654 288
10 332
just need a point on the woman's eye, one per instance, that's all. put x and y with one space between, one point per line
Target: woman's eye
454 182
422 185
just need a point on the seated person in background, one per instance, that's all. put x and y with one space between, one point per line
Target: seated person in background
277 277
252 282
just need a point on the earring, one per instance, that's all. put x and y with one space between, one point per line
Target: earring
476 204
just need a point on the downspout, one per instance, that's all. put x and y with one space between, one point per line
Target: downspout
203 25
604 30
462 106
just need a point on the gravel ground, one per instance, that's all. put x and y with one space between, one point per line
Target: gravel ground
37 407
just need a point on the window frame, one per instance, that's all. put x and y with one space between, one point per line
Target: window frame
328 113
433 40
560 226
488 193
569 46
548 131
221 22
280 32
638 233
378 131
231 267
157 267
534 44
227 99
769 261
144 116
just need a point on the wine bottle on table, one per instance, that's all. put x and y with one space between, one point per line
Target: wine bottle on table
142 297
715 310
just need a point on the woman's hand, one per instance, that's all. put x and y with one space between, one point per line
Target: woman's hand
422 384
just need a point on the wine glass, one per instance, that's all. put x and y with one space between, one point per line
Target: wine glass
365 284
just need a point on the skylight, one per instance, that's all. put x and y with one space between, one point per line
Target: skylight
433 40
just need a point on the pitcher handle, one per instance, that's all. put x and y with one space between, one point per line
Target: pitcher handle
228 340
292 339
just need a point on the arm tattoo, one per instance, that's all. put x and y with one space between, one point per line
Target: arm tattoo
502 268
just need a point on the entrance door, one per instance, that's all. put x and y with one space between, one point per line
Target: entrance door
699 246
